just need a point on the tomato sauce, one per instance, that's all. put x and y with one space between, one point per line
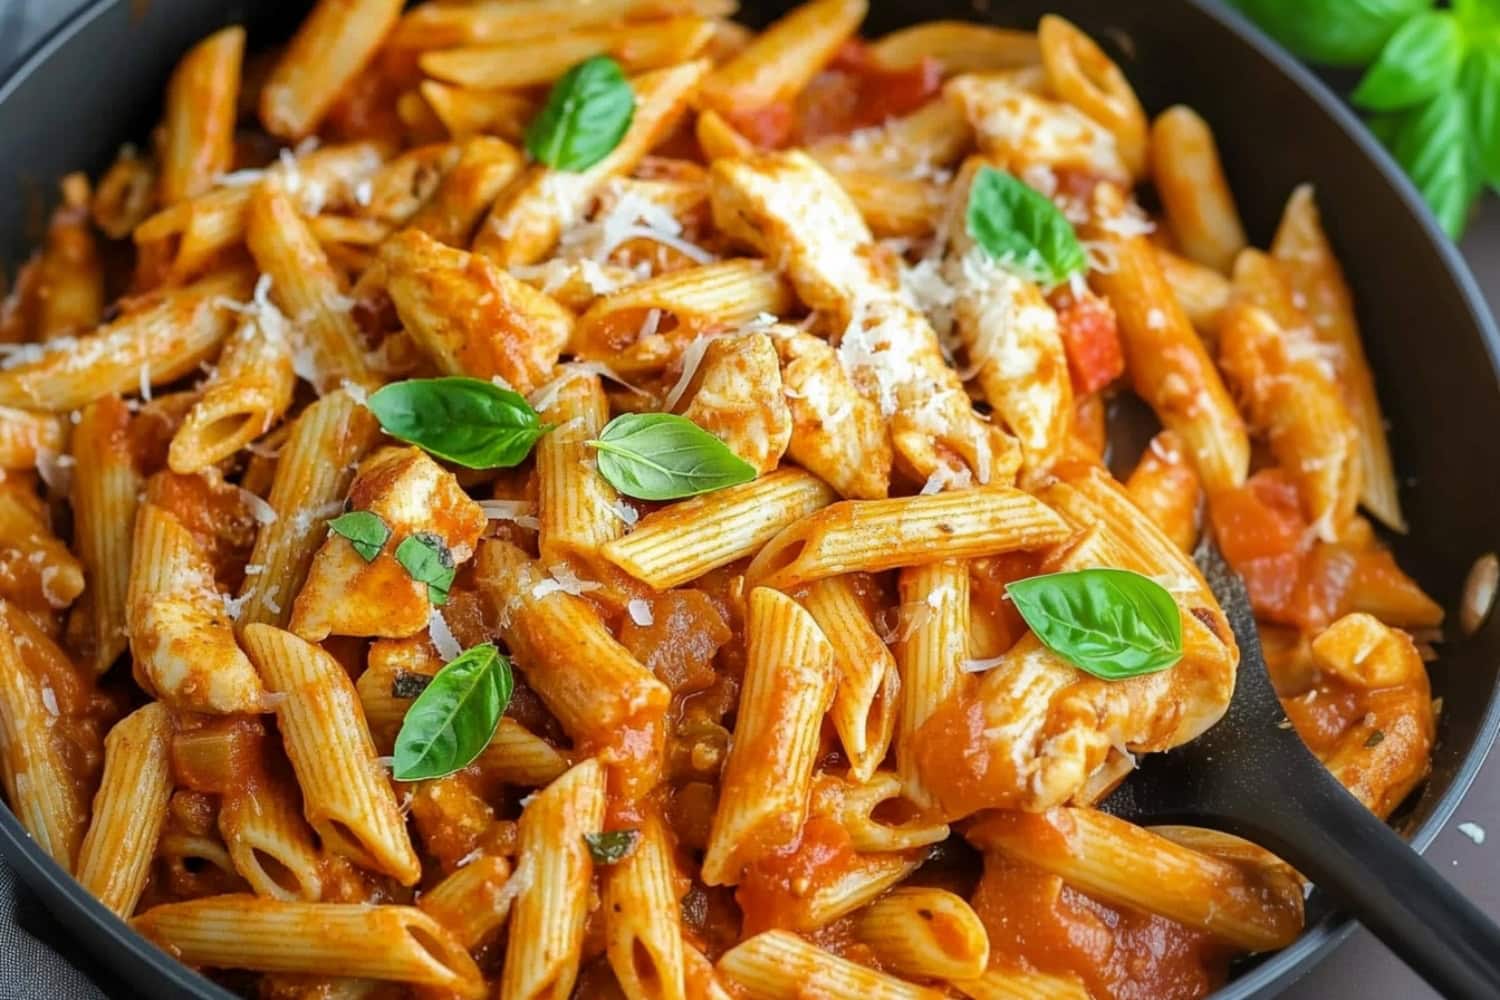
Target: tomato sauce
773 889
1091 339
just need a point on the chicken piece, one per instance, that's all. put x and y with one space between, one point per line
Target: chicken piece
344 594
837 434
736 395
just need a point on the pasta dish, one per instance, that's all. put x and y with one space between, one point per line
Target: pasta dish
546 499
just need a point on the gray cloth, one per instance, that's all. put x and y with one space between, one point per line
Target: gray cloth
30 967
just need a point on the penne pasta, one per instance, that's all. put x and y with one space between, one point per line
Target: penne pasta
330 48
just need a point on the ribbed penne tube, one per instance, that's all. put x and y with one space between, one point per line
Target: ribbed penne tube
555 872
642 926
181 639
42 576
125 194
1080 73
1003 983
857 884
270 843
517 756
1201 291
466 192
717 138
1126 865
777 965
468 111
872 535
249 391
105 486
154 344
38 782
333 43
396 943
935 623
932 137
576 505
130 809
470 316
924 933
894 206
198 132
1190 182
587 679
724 294
70 292
305 285
471 903
682 542
1168 365
960 46
25 434
854 803
346 793
788 686
865 704
528 62
527 220
312 476
1166 489
782 59
1313 272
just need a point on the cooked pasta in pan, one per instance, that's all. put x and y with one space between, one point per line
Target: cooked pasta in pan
549 499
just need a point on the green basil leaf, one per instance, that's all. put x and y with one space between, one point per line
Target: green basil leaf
1336 32
467 421
1480 20
1022 228
1434 147
365 531
428 561
586 115
1110 623
661 456
455 716
1479 81
1420 60
612 847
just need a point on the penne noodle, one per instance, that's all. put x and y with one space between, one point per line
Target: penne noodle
25 435
270 843
643 936
395 943
781 60
330 48
1190 180
202 99
868 536
925 934
70 296
1081 74
958 46
935 623
777 965
865 703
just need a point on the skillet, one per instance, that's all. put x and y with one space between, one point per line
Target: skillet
96 82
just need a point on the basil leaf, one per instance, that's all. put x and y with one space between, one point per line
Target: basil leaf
1110 623
365 531
467 421
428 561
612 847
661 456
1336 32
454 718
1021 227
1420 60
1479 81
1434 147
586 115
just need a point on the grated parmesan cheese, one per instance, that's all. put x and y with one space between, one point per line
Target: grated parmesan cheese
692 357
640 612
562 579
56 470
626 513
980 666
1473 831
234 605
49 700
442 636
263 512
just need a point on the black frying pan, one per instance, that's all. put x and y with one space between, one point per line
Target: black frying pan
97 82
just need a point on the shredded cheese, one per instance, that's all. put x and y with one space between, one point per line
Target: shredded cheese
640 612
442 636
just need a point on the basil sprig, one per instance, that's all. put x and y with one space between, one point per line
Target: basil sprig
365 531
1111 623
661 456
1021 228
586 115
611 847
455 716
427 559
467 421
1433 84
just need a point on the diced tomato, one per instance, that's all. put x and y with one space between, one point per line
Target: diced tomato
771 126
1091 339
1261 519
